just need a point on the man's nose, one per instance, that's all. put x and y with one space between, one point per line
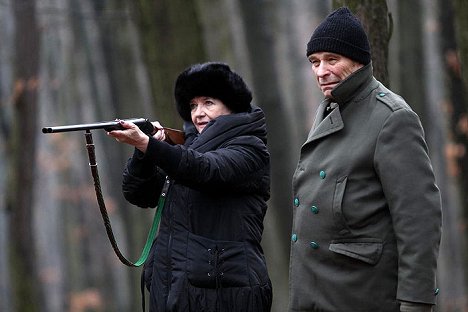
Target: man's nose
322 70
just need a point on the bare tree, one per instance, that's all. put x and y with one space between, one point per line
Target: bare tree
457 61
23 149
454 45
6 83
378 23
461 27
171 40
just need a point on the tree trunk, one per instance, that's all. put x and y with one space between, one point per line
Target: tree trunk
410 52
172 40
460 116
6 87
23 147
259 18
378 24
454 45
461 28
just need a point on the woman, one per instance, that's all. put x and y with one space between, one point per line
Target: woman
207 256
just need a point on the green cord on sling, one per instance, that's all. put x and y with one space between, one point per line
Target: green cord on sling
105 217
154 226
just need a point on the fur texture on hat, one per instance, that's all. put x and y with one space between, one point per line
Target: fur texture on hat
341 32
212 79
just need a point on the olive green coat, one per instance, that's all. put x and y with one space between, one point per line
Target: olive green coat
366 209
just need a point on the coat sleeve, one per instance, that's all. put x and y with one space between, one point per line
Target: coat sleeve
239 163
403 165
142 181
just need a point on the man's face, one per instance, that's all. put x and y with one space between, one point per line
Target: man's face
330 69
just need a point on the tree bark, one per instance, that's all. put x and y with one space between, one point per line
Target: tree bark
23 145
259 18
461 28
378 24
457 62
411 55
6 83
454 45
171 41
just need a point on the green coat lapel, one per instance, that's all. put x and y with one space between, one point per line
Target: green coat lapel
330 124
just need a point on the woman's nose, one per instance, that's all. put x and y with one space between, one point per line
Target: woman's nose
199 110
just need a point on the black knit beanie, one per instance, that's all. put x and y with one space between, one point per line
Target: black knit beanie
341 32
211 79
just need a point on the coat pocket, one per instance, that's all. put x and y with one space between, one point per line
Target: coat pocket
337 207
216 264
368 251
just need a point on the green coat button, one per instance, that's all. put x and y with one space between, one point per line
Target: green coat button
436 291
294 237
314 245
323 174
296 202
382 94
314 209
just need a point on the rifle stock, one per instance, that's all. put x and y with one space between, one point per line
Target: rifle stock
173 136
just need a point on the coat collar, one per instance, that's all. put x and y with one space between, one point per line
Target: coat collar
356 86
353 86
328 125
226 127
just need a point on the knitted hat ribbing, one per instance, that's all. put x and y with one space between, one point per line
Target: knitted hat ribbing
342 33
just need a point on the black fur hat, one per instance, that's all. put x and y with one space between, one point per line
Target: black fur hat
341 32
211 79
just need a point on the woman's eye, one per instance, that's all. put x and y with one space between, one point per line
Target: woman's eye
193 107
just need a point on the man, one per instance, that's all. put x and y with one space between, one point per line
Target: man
366 209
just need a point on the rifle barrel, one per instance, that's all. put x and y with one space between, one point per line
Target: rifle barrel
142 123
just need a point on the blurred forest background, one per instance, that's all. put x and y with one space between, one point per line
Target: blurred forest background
81 61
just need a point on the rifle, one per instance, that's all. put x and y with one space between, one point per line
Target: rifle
173 136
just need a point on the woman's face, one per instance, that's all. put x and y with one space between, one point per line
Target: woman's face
204 108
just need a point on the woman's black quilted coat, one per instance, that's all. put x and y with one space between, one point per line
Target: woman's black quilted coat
207 255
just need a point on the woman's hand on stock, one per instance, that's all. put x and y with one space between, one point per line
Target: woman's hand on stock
159 134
